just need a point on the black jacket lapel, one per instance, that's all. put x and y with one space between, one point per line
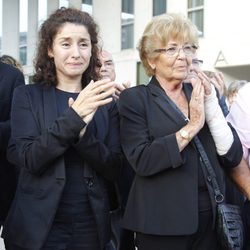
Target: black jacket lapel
165 103
50 115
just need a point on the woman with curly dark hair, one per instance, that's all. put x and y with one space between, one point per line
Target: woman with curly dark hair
65 129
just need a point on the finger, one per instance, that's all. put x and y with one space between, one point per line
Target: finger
103 102
99 83
115 97
105 94
70 101
104 87
119 87
194 80
126 84
117 92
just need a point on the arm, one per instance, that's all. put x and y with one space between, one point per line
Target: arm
103 156
241 176
147 155
36 148
13 81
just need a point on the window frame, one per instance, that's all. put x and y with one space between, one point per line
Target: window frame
193 10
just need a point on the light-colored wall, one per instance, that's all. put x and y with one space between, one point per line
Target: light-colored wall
108 16
225 30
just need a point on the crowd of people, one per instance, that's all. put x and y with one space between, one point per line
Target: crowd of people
88 163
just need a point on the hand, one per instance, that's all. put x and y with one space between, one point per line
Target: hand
119 88
94 95
219 83
205 82
196 105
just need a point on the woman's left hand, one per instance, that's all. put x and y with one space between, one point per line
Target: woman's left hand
205 82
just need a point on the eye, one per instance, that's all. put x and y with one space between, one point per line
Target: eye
83 44
188 48
109 64
65 45
171 50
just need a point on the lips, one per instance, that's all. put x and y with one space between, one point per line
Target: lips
74 64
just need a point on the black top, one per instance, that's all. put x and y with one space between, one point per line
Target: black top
74 204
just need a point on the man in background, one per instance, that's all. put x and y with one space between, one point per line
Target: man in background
124 238
107 70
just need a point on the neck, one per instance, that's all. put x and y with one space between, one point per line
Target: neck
69 85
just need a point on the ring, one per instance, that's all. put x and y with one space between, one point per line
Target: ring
196 98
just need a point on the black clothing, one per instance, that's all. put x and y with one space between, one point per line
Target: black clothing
163 199
203 239
10 78
41 145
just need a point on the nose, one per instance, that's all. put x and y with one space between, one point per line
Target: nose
103 68
75 51
181 53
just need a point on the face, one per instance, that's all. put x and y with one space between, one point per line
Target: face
172 67
194 69
107 69
231 98
71 51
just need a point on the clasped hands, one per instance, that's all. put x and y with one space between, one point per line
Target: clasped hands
201 87
94 95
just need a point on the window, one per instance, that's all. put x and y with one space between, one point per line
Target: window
23 27
127 24
159 7
87 6
196 13
23 48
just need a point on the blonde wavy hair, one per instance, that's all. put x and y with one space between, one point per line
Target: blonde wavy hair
160 31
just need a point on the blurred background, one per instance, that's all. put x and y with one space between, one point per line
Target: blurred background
224 38
223 30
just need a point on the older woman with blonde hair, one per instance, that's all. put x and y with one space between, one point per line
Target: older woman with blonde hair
171 203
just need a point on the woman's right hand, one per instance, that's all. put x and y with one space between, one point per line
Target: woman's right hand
196 105
94 95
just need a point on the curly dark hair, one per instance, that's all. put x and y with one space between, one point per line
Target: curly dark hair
45 71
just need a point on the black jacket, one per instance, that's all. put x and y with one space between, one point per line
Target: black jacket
10 78
41 138
163 199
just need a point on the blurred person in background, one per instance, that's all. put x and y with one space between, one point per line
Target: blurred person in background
239 117
232 90
10 78
124 238
11 61
107 70
170 204
215 78
65 128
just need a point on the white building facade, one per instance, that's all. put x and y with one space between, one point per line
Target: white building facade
224 38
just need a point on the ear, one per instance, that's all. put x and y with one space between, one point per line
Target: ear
50 53
151 63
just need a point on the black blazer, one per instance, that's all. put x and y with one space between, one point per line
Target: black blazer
10 78
163 199
41 138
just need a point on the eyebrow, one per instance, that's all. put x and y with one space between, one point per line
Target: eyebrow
66 38
109 61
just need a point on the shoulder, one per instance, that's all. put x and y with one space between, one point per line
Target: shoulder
133 93
134 98
35 89
8 69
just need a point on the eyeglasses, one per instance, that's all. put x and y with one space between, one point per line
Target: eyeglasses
172 51
197 62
